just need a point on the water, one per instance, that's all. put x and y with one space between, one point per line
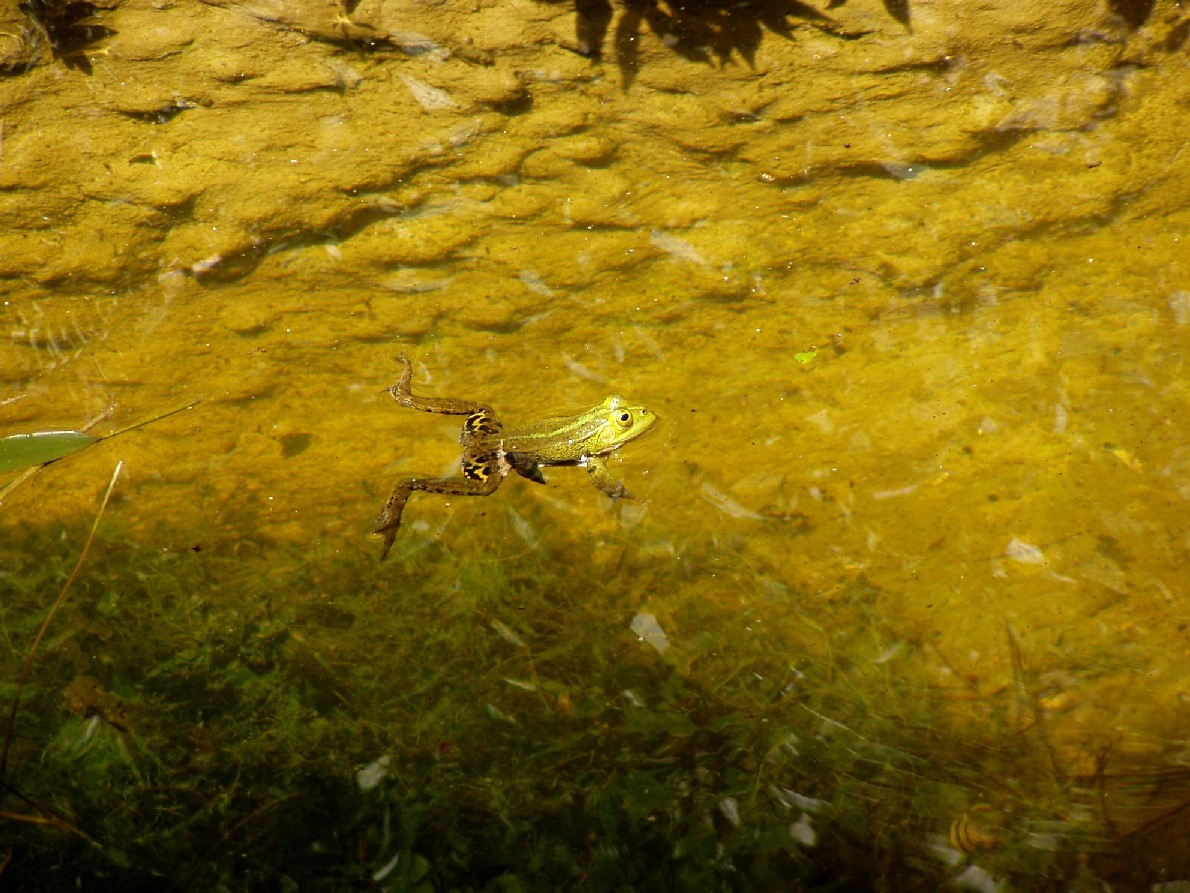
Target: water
910 303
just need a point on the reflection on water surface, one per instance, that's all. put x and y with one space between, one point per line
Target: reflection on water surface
900 603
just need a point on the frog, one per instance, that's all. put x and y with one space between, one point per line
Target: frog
490 453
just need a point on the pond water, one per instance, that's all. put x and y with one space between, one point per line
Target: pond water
900 602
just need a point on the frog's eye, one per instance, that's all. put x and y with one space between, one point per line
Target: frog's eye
623 418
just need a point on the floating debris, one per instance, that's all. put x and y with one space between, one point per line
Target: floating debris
679 248
794 800
730 810
373 773
579 369
412 282
522 684
386 869
1024 553
505 632
803 832
650 631
346 77
1061 418
889 653
900 171
523 528
413 44
535 284
727 505
499 715
1179 303
429 98
1127 458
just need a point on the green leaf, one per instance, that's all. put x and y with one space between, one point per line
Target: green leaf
26 450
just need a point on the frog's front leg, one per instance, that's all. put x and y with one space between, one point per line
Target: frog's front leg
598 475
525 467
389 521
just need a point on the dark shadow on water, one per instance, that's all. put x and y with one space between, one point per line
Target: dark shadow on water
485 715
1134 12
69 27
711 31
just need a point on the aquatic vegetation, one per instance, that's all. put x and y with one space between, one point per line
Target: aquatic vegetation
21 451
39 813
33 450
504 722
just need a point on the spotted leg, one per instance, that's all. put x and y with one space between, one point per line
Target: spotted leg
389 521
402 392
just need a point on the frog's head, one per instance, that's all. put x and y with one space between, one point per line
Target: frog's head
623 421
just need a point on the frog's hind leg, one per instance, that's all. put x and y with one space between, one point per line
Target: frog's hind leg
389 521
402 392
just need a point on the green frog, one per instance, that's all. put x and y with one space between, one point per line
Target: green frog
490 452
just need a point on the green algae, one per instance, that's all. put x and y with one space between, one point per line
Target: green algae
490 723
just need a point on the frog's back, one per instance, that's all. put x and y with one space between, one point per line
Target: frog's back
597 431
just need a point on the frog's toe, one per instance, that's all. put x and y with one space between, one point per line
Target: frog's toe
389 539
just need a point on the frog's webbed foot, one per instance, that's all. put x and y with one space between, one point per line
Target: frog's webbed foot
389 521
525 467
601 478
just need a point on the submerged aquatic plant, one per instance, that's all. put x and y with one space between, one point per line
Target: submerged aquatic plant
32 451
42 814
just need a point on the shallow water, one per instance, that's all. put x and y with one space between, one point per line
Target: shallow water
901 599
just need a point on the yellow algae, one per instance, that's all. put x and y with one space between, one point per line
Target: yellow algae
933 562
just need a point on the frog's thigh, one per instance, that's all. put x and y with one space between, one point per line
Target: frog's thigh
598 474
